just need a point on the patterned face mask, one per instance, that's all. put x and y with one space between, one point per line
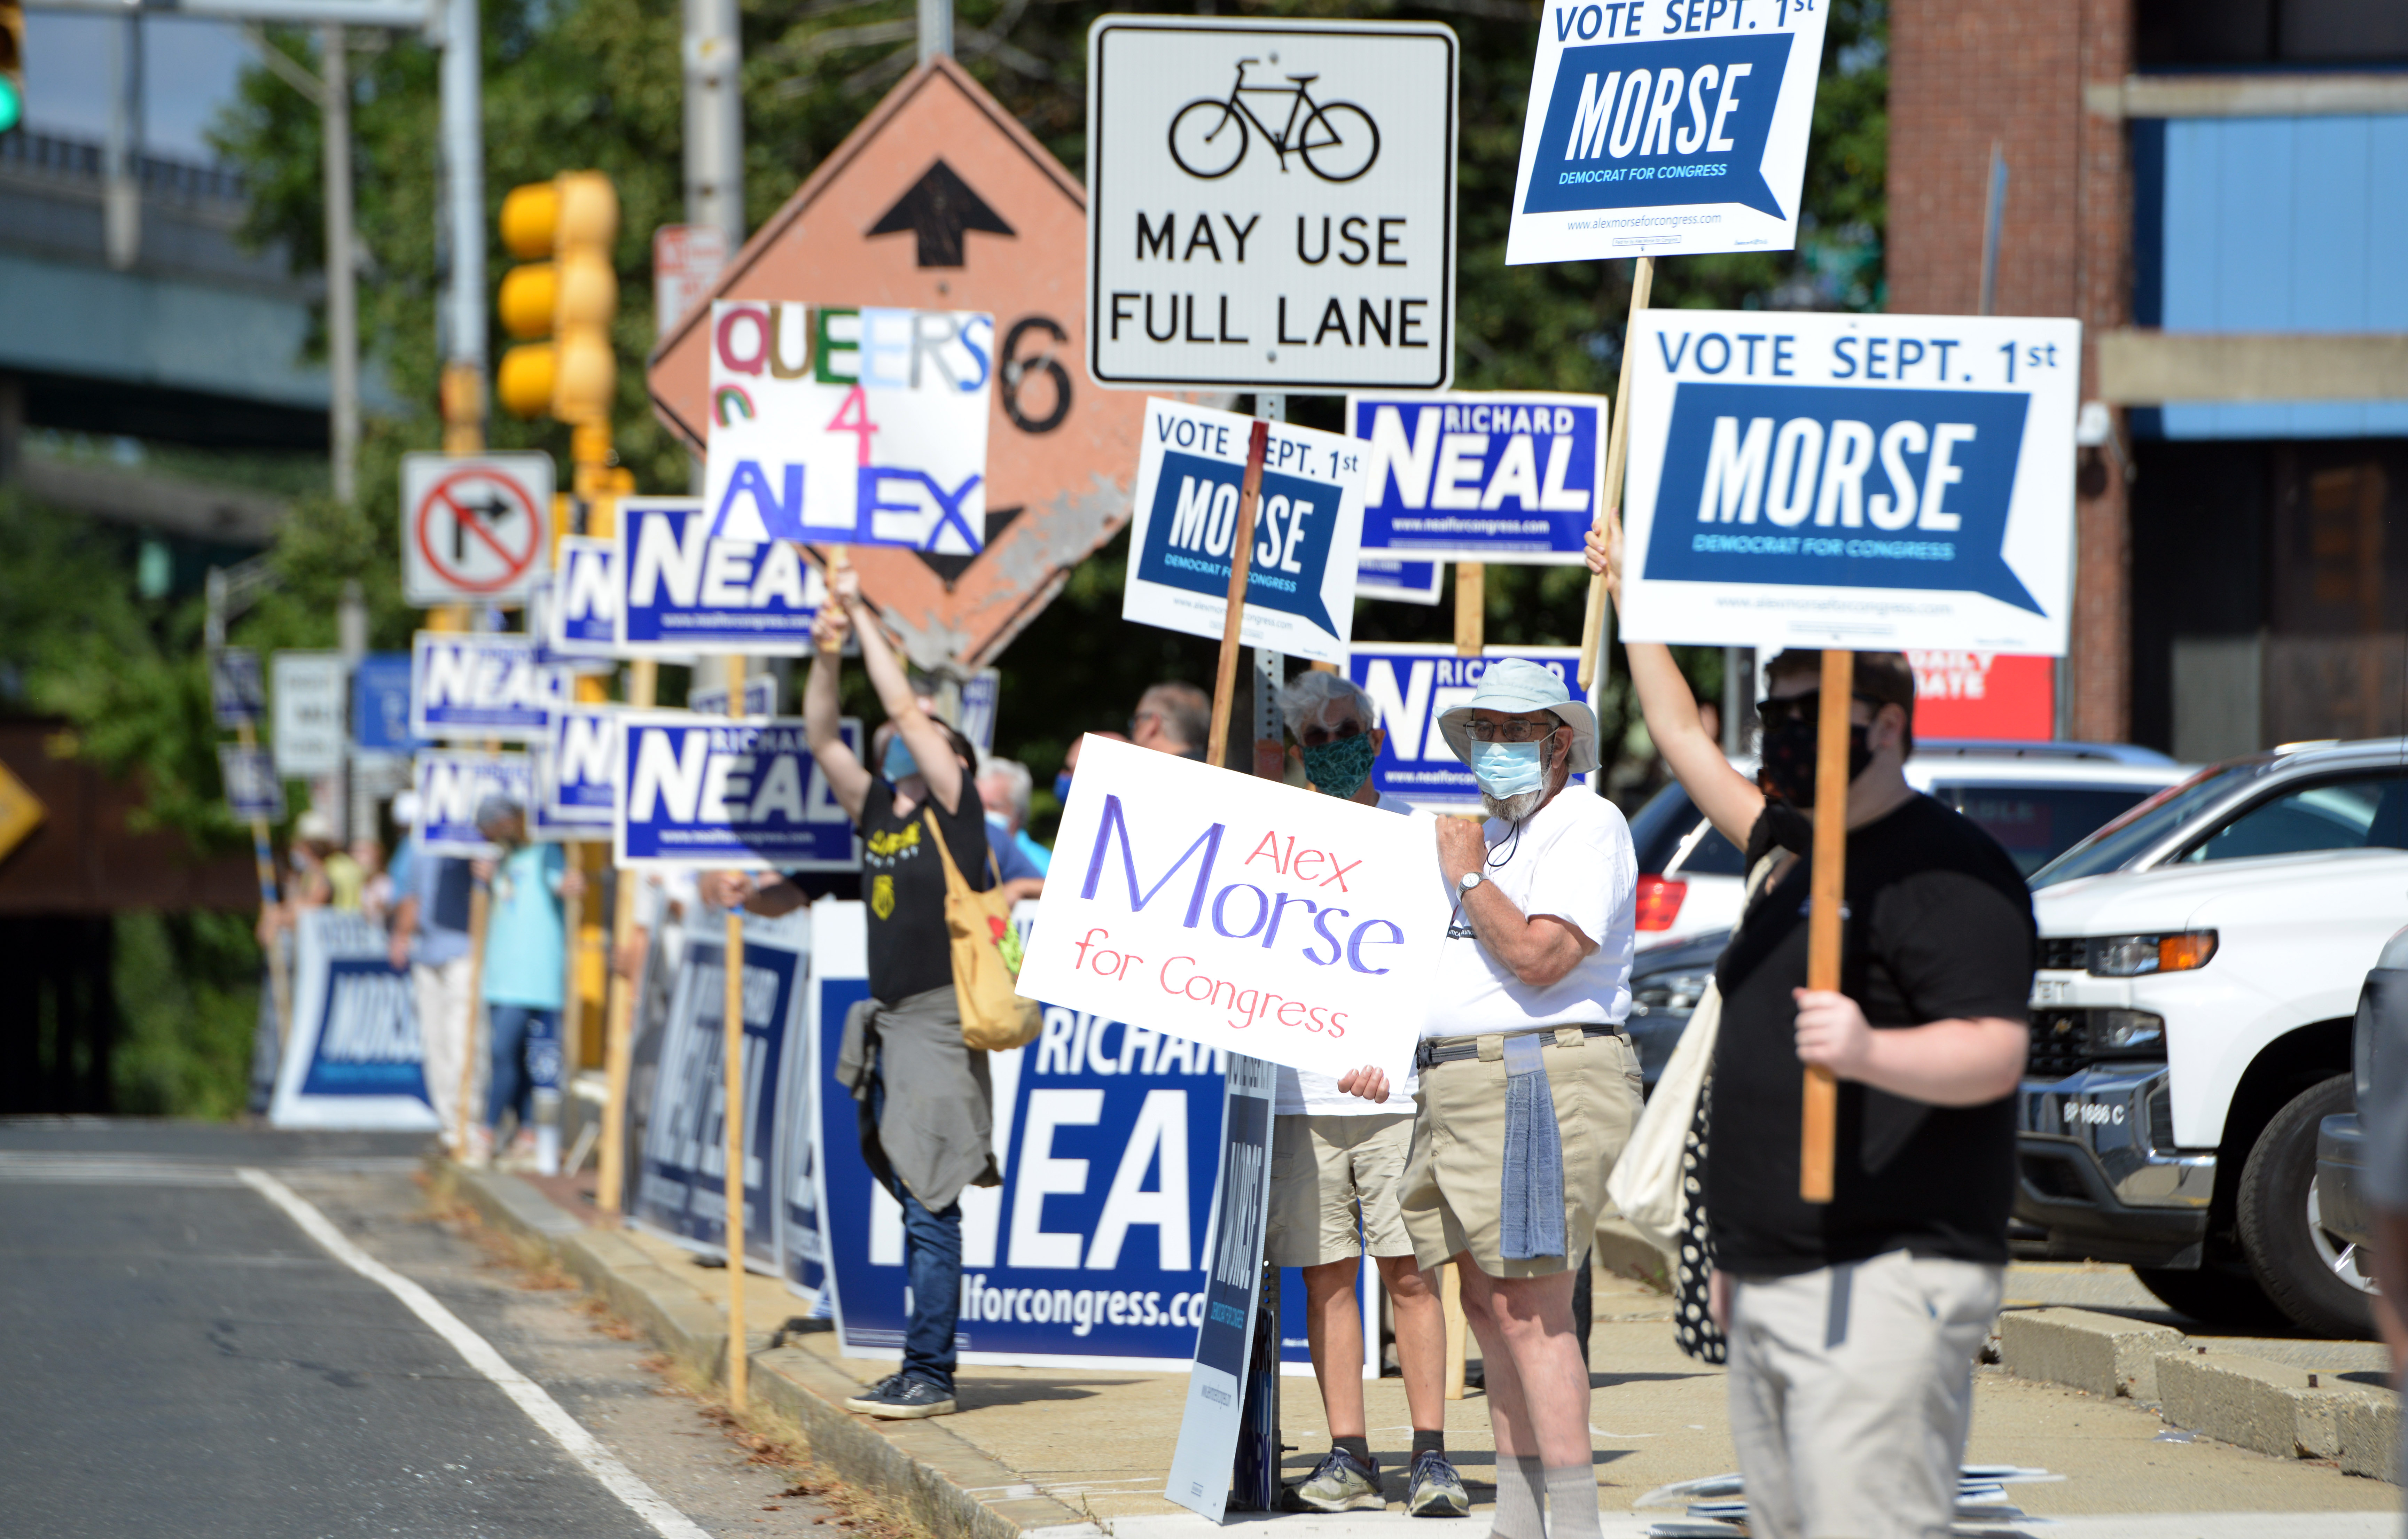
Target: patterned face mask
1337 768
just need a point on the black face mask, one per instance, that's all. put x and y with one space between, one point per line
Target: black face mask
1789 753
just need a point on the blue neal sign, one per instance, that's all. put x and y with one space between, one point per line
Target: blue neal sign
1665 130
1884 481
1411 685
687 589
481 687
712 792
1480 477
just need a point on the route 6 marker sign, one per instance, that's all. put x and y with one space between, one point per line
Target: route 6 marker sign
474 526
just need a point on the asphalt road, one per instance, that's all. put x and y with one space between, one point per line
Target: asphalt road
177 1356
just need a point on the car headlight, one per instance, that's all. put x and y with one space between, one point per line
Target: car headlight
2132 956
2127 1031
1669 993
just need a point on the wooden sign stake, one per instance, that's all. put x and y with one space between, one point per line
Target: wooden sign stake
733 1056
1470 608
1242 549
619 1032
1819 1129
1617 445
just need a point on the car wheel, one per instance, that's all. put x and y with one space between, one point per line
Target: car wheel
2312 1276
2224 1296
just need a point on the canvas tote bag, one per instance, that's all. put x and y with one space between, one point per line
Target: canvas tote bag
995 1018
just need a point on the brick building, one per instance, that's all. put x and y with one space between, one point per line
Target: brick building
2218 189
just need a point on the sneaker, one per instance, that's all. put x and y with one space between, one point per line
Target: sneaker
901 1398
1435 1489
1341 1483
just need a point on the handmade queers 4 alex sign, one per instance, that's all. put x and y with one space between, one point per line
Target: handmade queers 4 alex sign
1858 481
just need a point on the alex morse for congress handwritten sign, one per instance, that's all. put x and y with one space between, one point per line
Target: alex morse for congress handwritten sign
1239 913
1858 481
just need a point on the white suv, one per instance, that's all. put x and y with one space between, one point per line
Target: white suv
2035 798
2200 964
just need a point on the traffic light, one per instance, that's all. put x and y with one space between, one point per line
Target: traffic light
12 64
572 219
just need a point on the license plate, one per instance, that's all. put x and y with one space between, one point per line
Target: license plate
2051 990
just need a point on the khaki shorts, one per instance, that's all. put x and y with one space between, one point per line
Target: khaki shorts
1451 1204
1326 1173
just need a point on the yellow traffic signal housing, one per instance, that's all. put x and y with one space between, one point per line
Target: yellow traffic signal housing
572 219
12 64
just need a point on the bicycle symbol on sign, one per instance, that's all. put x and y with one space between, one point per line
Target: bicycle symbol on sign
1338 141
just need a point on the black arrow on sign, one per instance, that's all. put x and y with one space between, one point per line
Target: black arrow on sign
939 209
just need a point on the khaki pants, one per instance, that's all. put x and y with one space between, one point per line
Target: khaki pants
442 997
1330 1174
1450 1202
1851 1391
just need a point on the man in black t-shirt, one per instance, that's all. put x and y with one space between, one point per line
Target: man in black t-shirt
925 1108
1854 1325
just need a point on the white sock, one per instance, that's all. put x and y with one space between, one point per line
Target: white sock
1572 1504
1521 1492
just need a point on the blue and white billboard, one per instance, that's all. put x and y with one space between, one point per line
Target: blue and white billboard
1479 476
252 787
381 705
1412 684
681 1168
481 687
705 792
581 603
452 783
1307 526
1092 1251
1854 481
1404 581
1669 130
353 1058
686 589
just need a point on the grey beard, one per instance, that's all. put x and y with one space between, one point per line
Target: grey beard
1512 809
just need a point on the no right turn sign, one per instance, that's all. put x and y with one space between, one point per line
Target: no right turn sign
474 526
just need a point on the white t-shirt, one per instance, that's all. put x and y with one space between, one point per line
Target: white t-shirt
1571 858
1303 1092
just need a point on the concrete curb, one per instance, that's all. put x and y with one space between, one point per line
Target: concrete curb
2272 1407
950 1488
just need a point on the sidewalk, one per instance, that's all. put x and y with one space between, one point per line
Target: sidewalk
1035 1450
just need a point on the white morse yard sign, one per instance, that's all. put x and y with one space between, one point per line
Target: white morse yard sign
1271 204
474 526
1851 480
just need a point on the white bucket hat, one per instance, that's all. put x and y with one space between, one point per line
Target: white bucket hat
1518 685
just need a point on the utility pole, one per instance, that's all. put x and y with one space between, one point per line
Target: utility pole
714 118
936 29
464 216
342 306
121 192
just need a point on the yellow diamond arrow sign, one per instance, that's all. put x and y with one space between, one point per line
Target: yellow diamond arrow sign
21 811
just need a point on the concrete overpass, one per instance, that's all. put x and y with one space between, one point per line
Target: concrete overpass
198 342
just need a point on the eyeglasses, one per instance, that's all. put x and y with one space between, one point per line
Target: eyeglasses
1317 735
1481 731
1804 708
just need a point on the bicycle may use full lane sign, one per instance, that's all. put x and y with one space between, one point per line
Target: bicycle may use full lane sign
1271 204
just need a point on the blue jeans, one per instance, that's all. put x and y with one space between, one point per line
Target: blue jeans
527 1058
932 1264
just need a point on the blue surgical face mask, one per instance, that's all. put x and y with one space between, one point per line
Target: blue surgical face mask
1062 787
898 765
1509 768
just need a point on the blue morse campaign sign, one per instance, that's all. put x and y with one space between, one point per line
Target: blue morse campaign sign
1665 129
684 589
1818 480
1469 477
714 792
1412 684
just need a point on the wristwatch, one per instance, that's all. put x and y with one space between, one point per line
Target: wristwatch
1470 880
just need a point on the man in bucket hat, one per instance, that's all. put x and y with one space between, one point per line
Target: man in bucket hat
1529 1086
